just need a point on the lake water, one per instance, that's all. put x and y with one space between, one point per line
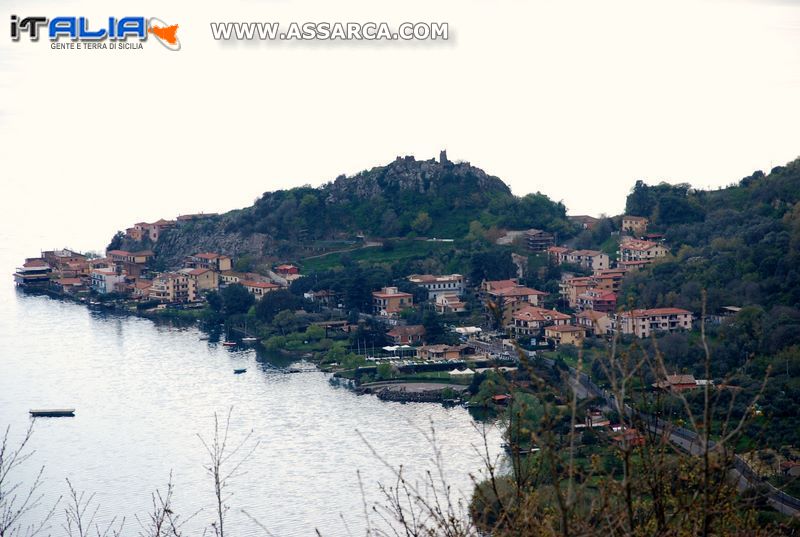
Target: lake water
143 392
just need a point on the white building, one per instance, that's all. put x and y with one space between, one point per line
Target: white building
104 280
439 285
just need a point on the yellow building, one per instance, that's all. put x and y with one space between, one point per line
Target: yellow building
636 225
565 334
389 301
204 279
209 260
595 322
173 287
259 289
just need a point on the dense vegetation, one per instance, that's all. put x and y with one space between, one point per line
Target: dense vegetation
741 245
407 196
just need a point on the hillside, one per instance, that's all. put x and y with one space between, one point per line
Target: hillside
741 243
405 198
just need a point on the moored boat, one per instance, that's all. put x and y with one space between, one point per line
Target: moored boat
53 413
239 371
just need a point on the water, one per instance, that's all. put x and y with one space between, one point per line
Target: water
143 392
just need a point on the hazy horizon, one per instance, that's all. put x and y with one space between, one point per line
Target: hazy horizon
575 100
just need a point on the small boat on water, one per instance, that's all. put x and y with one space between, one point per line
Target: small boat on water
228 343
53 413
249 339
239 371
203 338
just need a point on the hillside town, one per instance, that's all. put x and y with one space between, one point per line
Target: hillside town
585 305
494 315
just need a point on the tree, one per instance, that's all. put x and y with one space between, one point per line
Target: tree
495 264
236 299
214 300
422 223
276 301
116 241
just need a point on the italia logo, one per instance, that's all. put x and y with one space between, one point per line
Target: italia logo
129 30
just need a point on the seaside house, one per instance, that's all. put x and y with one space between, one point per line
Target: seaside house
204 279
390 301
134 264
406 335
35 272
106 281
439 353
173 287
259 289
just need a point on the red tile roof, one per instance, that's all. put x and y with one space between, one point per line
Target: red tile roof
531 313
260 285
494 285
409 330
518 291
655 312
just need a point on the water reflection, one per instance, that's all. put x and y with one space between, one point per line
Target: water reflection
143 391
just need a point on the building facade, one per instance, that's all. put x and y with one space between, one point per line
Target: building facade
644 322
390 301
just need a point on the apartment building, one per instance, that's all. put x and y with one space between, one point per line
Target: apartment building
644 322
390 301
450 284
638 250
173 287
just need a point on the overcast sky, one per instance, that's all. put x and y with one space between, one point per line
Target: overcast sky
574 99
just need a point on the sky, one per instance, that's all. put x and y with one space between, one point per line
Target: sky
574 99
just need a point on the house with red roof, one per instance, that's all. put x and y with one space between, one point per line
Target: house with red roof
406 335
597 300
644 322
633 250
530 320
204 279
390 301
259 289
209 260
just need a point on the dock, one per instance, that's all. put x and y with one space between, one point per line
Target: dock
53 413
